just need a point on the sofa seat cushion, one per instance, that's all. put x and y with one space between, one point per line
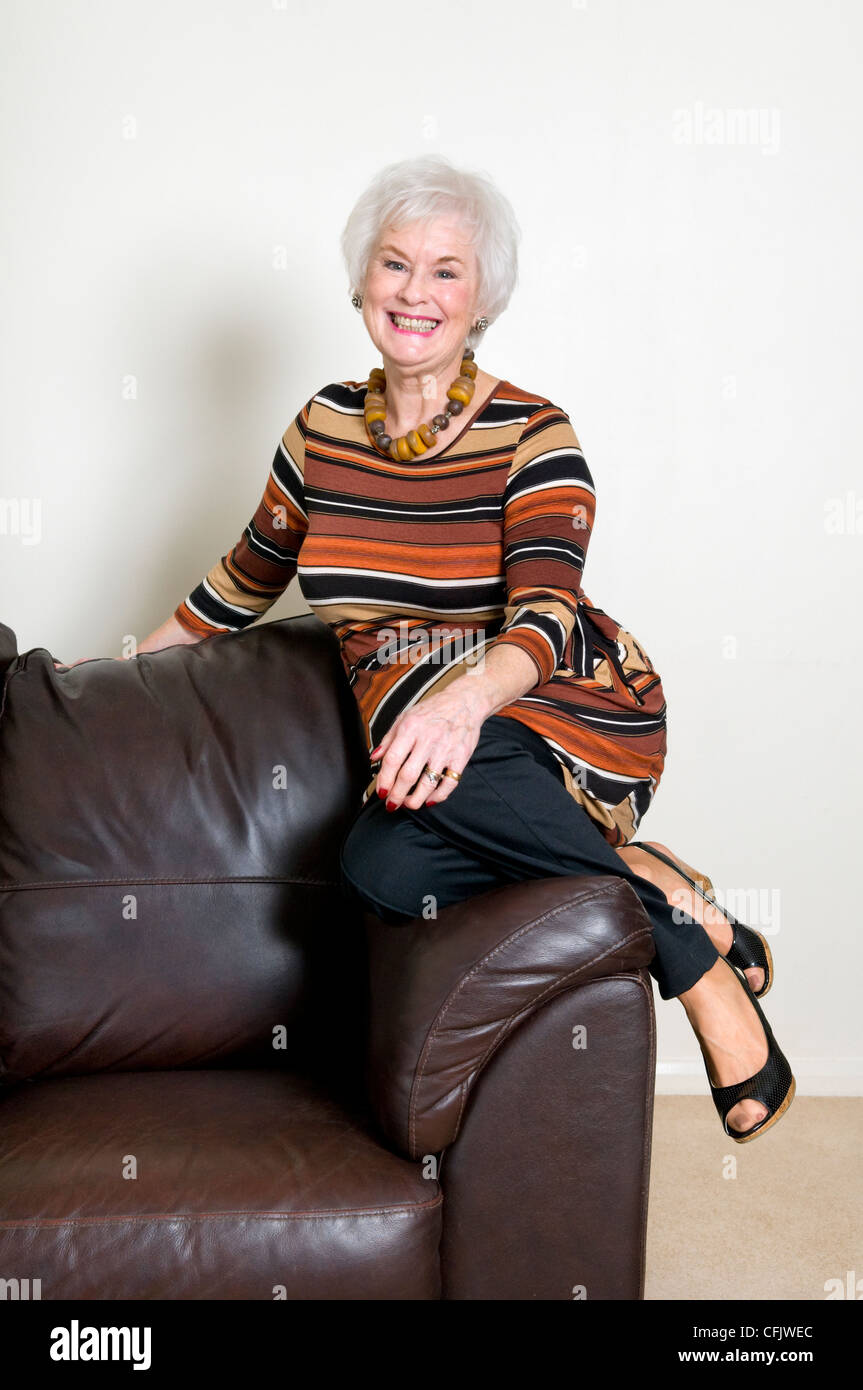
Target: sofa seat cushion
208 1185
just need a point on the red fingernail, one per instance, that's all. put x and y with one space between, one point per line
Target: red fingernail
383 791
391 806
431 803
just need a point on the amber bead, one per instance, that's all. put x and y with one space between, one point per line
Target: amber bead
468 369
426 434
403 447
459 393
377 379
374 399
416 441
376 413
394 451
442 421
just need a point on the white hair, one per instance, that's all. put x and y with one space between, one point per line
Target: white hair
430 186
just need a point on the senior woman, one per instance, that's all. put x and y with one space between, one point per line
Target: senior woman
438 519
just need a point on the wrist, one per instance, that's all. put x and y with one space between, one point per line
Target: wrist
482 691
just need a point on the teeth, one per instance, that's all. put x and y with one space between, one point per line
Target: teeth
419 325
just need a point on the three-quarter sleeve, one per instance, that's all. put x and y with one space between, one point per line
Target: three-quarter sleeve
549 505
243 584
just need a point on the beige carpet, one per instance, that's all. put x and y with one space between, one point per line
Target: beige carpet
790 1220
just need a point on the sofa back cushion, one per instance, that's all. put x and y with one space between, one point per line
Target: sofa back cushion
169 833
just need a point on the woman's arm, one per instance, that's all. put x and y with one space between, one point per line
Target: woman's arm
243 584
548 515
171 634
506 673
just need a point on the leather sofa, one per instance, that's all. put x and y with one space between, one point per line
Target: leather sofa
219 1079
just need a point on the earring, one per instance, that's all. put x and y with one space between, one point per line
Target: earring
481 325
357 300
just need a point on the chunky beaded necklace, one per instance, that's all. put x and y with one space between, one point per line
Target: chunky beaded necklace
415 442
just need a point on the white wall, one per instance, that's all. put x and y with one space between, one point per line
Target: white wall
691 297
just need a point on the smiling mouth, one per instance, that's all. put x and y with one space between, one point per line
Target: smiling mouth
404 324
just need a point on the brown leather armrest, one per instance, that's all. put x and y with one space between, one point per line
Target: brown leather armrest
445 993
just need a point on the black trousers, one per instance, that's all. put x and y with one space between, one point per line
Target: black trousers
509 819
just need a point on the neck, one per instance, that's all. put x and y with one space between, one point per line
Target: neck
414 395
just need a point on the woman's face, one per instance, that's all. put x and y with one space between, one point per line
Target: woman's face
419 300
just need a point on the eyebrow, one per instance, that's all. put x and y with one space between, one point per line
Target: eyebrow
406 258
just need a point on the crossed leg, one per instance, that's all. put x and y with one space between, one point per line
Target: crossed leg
680 894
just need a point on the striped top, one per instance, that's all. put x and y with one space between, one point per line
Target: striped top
419 568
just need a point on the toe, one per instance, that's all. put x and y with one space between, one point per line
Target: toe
746 1114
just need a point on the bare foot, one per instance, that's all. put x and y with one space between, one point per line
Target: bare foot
730 1035
679 894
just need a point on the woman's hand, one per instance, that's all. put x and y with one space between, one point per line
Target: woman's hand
444 729
171 634
441 731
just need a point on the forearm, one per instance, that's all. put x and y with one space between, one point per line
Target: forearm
171 634
505 673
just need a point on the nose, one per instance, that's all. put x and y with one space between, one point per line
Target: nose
413 290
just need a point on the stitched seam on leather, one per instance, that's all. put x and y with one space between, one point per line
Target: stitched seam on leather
465 1092
511 1023
418 1075
493 1047
180 882
644 1180
637 978
38 1223
598 895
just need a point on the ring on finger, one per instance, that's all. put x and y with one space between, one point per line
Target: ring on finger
456 776
433 777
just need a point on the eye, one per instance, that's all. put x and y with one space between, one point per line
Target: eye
389 264
447 272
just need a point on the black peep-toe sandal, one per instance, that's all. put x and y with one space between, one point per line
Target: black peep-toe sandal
773 1085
